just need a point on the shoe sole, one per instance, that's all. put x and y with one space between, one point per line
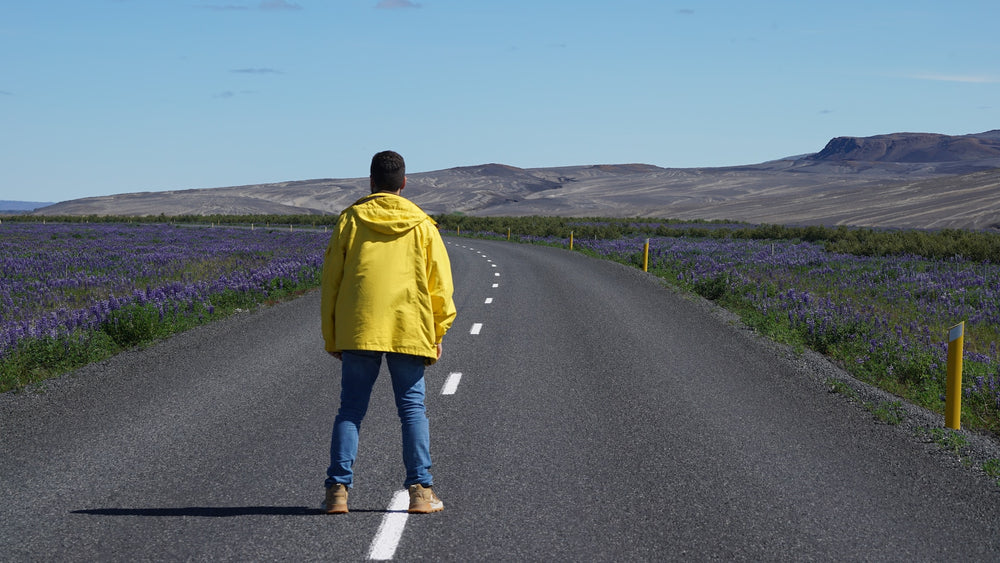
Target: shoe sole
337 510
426 509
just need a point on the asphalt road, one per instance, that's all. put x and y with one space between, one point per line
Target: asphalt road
598 417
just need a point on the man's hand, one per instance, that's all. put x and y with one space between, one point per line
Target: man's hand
439 350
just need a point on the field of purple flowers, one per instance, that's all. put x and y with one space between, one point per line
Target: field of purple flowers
885 319
73 293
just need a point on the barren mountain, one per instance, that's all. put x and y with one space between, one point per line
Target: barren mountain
916 180
913 147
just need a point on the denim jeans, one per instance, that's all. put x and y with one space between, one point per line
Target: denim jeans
359 370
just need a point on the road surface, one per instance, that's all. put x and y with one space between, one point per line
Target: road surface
597 417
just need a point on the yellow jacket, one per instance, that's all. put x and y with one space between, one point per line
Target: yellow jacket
386 282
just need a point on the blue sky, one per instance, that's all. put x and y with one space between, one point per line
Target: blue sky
110 96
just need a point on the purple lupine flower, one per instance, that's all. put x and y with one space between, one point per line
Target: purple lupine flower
62 277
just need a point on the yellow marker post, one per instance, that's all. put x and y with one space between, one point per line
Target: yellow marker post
645 256
953 394
508 233
571 240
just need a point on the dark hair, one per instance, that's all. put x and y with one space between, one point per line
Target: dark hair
388 171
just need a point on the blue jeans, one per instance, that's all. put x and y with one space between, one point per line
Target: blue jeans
359 370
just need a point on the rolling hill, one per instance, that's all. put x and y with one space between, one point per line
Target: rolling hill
913 180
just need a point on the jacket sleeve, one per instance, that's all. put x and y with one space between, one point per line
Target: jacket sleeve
440 285
333 273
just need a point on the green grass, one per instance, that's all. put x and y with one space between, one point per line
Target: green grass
948 439
134 326
889 412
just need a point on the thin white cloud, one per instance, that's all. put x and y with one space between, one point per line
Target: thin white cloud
279 5
965 78
396 4
265 5
256 71
230 94
686 12
225 7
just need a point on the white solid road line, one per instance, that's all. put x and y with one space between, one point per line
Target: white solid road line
391 529
451 384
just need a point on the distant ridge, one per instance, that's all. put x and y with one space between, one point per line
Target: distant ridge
21 206
907 180
913 148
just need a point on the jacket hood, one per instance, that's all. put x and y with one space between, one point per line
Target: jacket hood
389 213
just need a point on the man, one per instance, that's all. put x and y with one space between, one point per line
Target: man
386 291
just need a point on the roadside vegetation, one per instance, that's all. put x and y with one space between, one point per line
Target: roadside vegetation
947 243
975 246
76 293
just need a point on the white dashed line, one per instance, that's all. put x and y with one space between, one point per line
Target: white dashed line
496 285
451 384
391 529
489 300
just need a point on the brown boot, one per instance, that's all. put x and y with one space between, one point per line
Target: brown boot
423 500
336 499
